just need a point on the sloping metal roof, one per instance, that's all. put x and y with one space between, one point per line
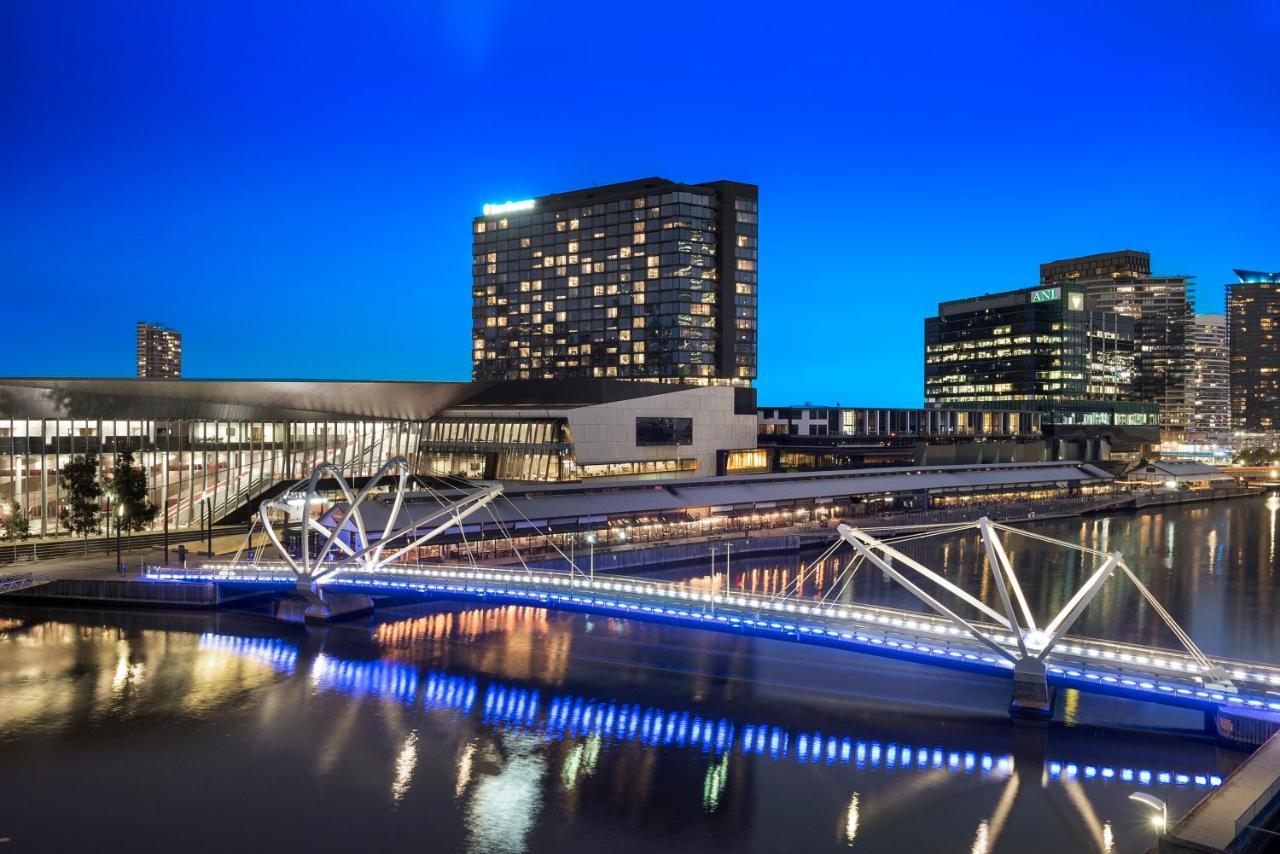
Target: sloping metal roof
1188 469
564 506
296 400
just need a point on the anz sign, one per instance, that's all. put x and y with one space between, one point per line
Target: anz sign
1075 299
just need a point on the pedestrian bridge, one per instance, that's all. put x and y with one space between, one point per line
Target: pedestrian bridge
1088 664
1242 699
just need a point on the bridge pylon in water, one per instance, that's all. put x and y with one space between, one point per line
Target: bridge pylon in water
1013 631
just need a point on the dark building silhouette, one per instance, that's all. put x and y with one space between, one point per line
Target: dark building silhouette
1253 334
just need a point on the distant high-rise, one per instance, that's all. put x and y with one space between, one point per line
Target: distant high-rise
1126 262
1209 383
1253 334
646 280
1163 310
159 351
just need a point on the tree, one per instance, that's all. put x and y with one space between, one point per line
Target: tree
129 483
1256 457
80 512
16 526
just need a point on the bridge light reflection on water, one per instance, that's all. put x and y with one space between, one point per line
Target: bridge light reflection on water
515 708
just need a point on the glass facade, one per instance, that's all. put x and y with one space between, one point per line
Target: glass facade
647 280
189 463
858 422
1111 373
533 449
218 467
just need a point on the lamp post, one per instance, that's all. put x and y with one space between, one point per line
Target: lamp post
119 517
1161 811
591 541
713 579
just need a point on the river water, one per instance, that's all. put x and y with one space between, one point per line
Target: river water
448 727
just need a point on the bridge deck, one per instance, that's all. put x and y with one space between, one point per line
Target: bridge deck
1155 675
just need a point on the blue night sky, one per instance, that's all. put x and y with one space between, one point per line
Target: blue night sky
292 185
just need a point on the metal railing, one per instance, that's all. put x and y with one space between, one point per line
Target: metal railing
41 550
21 581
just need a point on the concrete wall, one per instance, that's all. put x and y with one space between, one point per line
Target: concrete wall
606 433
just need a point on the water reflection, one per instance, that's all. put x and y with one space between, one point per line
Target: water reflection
851 820
596 724
517 729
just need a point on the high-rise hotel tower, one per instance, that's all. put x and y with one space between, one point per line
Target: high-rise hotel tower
645 280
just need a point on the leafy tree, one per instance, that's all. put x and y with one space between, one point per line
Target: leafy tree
16 526
129 483
80 512
1257 457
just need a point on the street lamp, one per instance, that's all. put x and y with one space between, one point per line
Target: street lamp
1161 812
591 541
119 517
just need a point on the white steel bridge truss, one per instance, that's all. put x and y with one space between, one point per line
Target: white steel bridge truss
365 556
1035 641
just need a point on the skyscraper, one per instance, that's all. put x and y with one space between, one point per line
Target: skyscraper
1253 333
1208 388
1163 310
646 280
159 351
1029 345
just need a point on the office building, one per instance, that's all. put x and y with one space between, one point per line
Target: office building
646 280
814 438
1210 381
1253 334
220 445
159 352
1163 313
1032 344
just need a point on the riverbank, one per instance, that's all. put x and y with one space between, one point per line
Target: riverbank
661 555
641 557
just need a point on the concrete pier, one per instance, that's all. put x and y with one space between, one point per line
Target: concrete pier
1225 821
1032 696
312 605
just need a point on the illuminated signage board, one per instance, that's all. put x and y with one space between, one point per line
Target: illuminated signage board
1075 301
1046 295
509 207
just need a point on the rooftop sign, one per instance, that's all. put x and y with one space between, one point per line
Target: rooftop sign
509 207
1046 295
